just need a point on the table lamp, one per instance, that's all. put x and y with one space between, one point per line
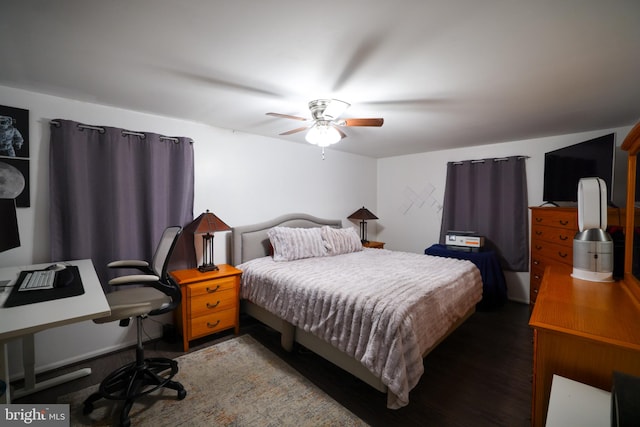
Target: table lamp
207 224
363 214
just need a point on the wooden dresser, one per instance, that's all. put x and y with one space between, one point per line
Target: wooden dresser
582 331
552 233
210 302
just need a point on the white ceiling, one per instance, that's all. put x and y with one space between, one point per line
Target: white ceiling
442 73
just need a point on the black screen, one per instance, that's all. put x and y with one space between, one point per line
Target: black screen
563 168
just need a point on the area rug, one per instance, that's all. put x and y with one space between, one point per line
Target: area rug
234 383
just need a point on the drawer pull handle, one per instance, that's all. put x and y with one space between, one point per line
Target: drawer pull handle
538 233
536 262
538 247
212 290
563 223
209 305
562 255
538 219
535 291
213 325
536 277
563 237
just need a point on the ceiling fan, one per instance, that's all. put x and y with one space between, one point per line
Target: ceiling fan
325 127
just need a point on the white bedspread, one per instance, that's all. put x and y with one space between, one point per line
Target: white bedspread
384 308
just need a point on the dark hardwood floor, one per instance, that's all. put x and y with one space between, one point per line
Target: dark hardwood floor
479 376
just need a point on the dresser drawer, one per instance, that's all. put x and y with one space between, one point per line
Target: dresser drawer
210 287
558 235
555 217
207 303
537 272
553 252
214 322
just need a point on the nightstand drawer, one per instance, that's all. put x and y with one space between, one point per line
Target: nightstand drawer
211 287
218 321
220 300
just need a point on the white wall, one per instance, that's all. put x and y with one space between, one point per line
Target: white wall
241 178
409 224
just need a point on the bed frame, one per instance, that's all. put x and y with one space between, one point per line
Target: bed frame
251 241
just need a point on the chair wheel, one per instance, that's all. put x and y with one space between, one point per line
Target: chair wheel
88 408
182 394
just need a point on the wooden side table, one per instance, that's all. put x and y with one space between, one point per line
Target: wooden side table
210 302
375 245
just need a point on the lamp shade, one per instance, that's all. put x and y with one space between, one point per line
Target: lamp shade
207 223
362 214
323 134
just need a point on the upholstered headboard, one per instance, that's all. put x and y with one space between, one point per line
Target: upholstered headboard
251 241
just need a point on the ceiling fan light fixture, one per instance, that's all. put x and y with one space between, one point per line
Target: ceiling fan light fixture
325 129
323 134
334 109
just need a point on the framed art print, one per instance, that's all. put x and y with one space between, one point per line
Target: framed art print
14 155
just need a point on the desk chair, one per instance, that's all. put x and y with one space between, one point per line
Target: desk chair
159 294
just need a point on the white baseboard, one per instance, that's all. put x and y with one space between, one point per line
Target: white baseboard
84 356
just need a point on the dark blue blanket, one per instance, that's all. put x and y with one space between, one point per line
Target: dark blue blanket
494 285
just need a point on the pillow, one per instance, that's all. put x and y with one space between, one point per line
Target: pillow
296 243
341 240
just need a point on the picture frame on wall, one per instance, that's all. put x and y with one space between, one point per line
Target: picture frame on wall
14 155
14 132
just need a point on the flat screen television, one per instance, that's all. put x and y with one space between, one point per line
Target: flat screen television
563 168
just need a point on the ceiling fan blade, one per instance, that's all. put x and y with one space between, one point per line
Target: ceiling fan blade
362 122
296 130
287 116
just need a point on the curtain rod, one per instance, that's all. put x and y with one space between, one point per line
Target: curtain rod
124 132
497 159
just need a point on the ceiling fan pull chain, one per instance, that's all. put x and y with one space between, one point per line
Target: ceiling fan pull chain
322 153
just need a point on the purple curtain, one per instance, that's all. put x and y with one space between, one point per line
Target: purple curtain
113 192
489 197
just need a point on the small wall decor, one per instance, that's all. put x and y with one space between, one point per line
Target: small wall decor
14 180
418 200
14 155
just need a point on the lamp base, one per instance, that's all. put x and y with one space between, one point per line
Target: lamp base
207 267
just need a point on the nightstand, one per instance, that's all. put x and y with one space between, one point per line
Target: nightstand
210 302
375 245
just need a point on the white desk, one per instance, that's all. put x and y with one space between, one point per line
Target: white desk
25 320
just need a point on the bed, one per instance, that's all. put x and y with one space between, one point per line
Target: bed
373 312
